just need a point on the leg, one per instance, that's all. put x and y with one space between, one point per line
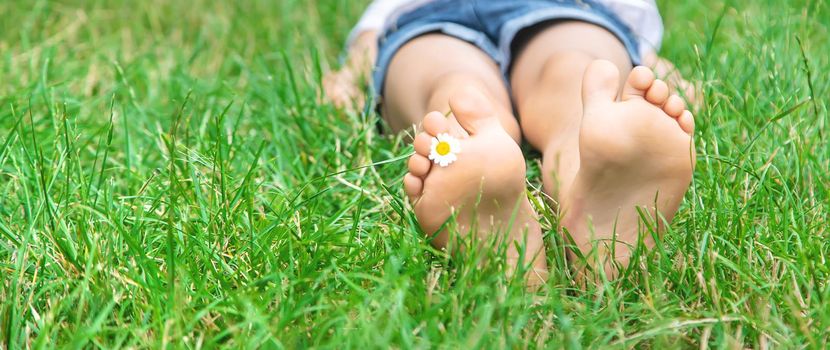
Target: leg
603 159
425 72
436 72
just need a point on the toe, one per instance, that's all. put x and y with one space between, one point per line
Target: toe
418 165
435 123
599 84
422 143
639 80
473 110
412 185
674 106
658 93
687 122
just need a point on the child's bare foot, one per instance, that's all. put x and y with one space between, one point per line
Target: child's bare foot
485 186
635 153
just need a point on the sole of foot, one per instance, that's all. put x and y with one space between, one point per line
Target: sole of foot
635 157
484 188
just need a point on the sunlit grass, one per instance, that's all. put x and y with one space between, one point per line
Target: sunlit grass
168 176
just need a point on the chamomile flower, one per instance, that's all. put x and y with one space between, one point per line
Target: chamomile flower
444 149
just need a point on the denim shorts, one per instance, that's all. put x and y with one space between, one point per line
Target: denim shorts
492 26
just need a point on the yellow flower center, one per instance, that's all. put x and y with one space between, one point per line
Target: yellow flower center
443 148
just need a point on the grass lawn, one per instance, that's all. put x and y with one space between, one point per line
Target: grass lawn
168 178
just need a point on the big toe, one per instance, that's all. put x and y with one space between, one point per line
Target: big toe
435 123
599 84
473 110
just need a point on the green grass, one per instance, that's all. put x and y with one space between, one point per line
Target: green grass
168 178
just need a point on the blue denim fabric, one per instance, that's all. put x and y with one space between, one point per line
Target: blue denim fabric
492 25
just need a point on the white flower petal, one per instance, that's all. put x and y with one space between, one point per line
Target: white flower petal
446 159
